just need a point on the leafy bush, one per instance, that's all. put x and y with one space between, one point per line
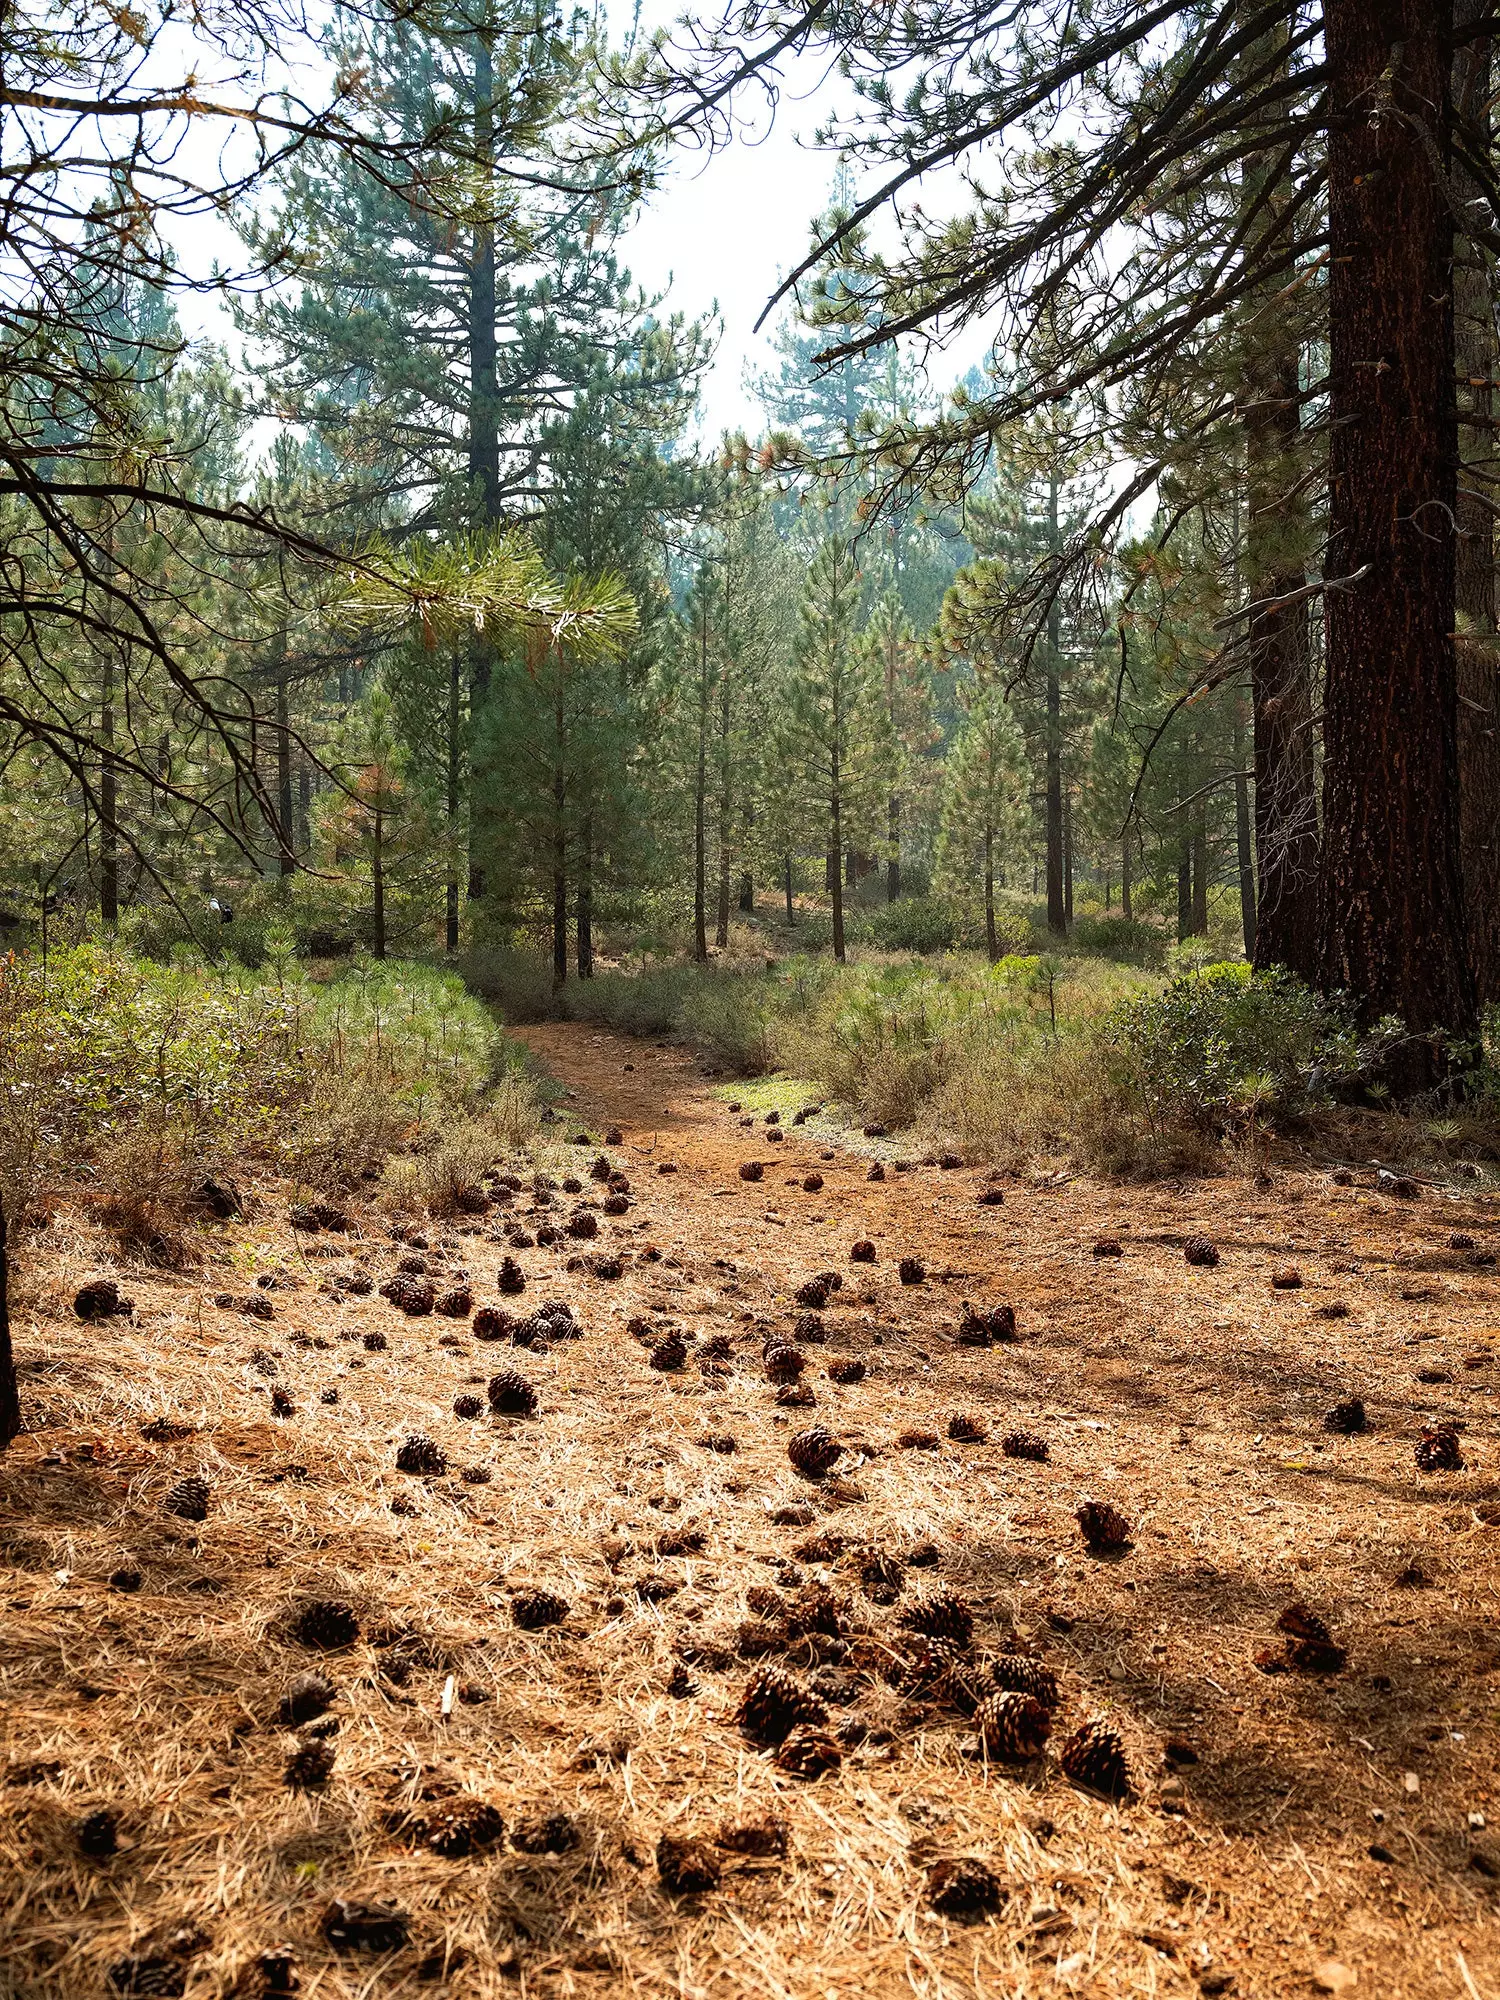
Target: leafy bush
1128 942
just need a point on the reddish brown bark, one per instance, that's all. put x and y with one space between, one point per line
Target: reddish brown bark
1391 904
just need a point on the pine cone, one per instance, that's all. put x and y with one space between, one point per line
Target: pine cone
941 1614
492 1323
413 1296
1104 1527
808 1753
918 1440
966 1428
1013 1725
847 1371
1311 1647
1014 1673
762 1838
876 1173
784 1363
510 1278
326 1624
752 1170
150 1978
458 1827
912 1271
189 1499
862 1252
687 1867
546 1833
308 1697
467 1406
309 1767
281 1403
928 1669
1201 1251
773 1704
881 1577
1108 1246
533 1609
816 1608
813 1452
456 1304
512 1395
166 1430
1026 1444
420 1454
349 1925
813 1293
98 1833
1094 1757
669 1353
330 1395
982 1326
1348 1418
1437 1450
760 1638
991 1197
965 1888
375 1343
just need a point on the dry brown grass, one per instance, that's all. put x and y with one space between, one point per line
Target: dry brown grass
1191 1399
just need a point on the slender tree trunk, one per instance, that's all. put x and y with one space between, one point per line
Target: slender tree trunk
835 848
304 804
452 797
1125 909
721 927
377 881
109 822
1285 928
747 894
10 1397
1068 858
791 913
559 839
1200 869
585 912
1057 912
285 827
1244 853
1184 887
1107 886
1394 934
893 859
1478 649
991 939
700 810
831 870
484 389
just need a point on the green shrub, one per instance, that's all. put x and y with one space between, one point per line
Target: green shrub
1128 942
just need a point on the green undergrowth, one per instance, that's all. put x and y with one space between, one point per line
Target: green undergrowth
133 1081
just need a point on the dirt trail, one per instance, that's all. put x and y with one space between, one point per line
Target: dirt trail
1288 1830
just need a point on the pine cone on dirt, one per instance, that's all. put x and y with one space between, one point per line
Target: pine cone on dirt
929 1669
1108 1246
812 1183
189 1499
783 1363
795 1396
350 1925
326 1624
809 1327
813 1452
510 1278
467 1406
965 1888
1015 1673
98 1833
309 1767
687 1867
457 1303
1311 1647
413 1296
101 1298
1347 1418
1104 1527
848 1371
983 1326
281 1403
813 1293
876 1173
912 1271
454 1828
1438 1449
420 1454
374 1343
1094 1757
941 1614
882 1577
752 1170
148 1977
816 1608
1013 1725
531 1610
808 1752
774 1703
862 1252
669 1353
307 1697
1027 1445
546 1833
1201 1251
964 1427
511 1395
991 1197
583 1225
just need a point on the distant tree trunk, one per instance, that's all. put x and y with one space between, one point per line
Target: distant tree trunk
1184 887
285 828
747 894
484 389
835 848
1068 858
304 804
1057 912
1244 853
451 800
109 823
559 837
1285 929
377 881
10 1397
893 858
1125 910
991 939
1478 651
1394 934
791 914
721 928
1106 891
585 913
700 806
831 870
1200 869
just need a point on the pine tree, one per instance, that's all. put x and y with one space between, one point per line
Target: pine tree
985 797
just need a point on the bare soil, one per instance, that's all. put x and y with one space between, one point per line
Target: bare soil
1287 1831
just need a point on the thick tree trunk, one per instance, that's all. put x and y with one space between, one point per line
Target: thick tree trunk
1478 650
1285 927
1057 913
747 894
991 940
1392 911
10 1399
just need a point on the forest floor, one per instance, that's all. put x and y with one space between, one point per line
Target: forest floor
1286 1832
